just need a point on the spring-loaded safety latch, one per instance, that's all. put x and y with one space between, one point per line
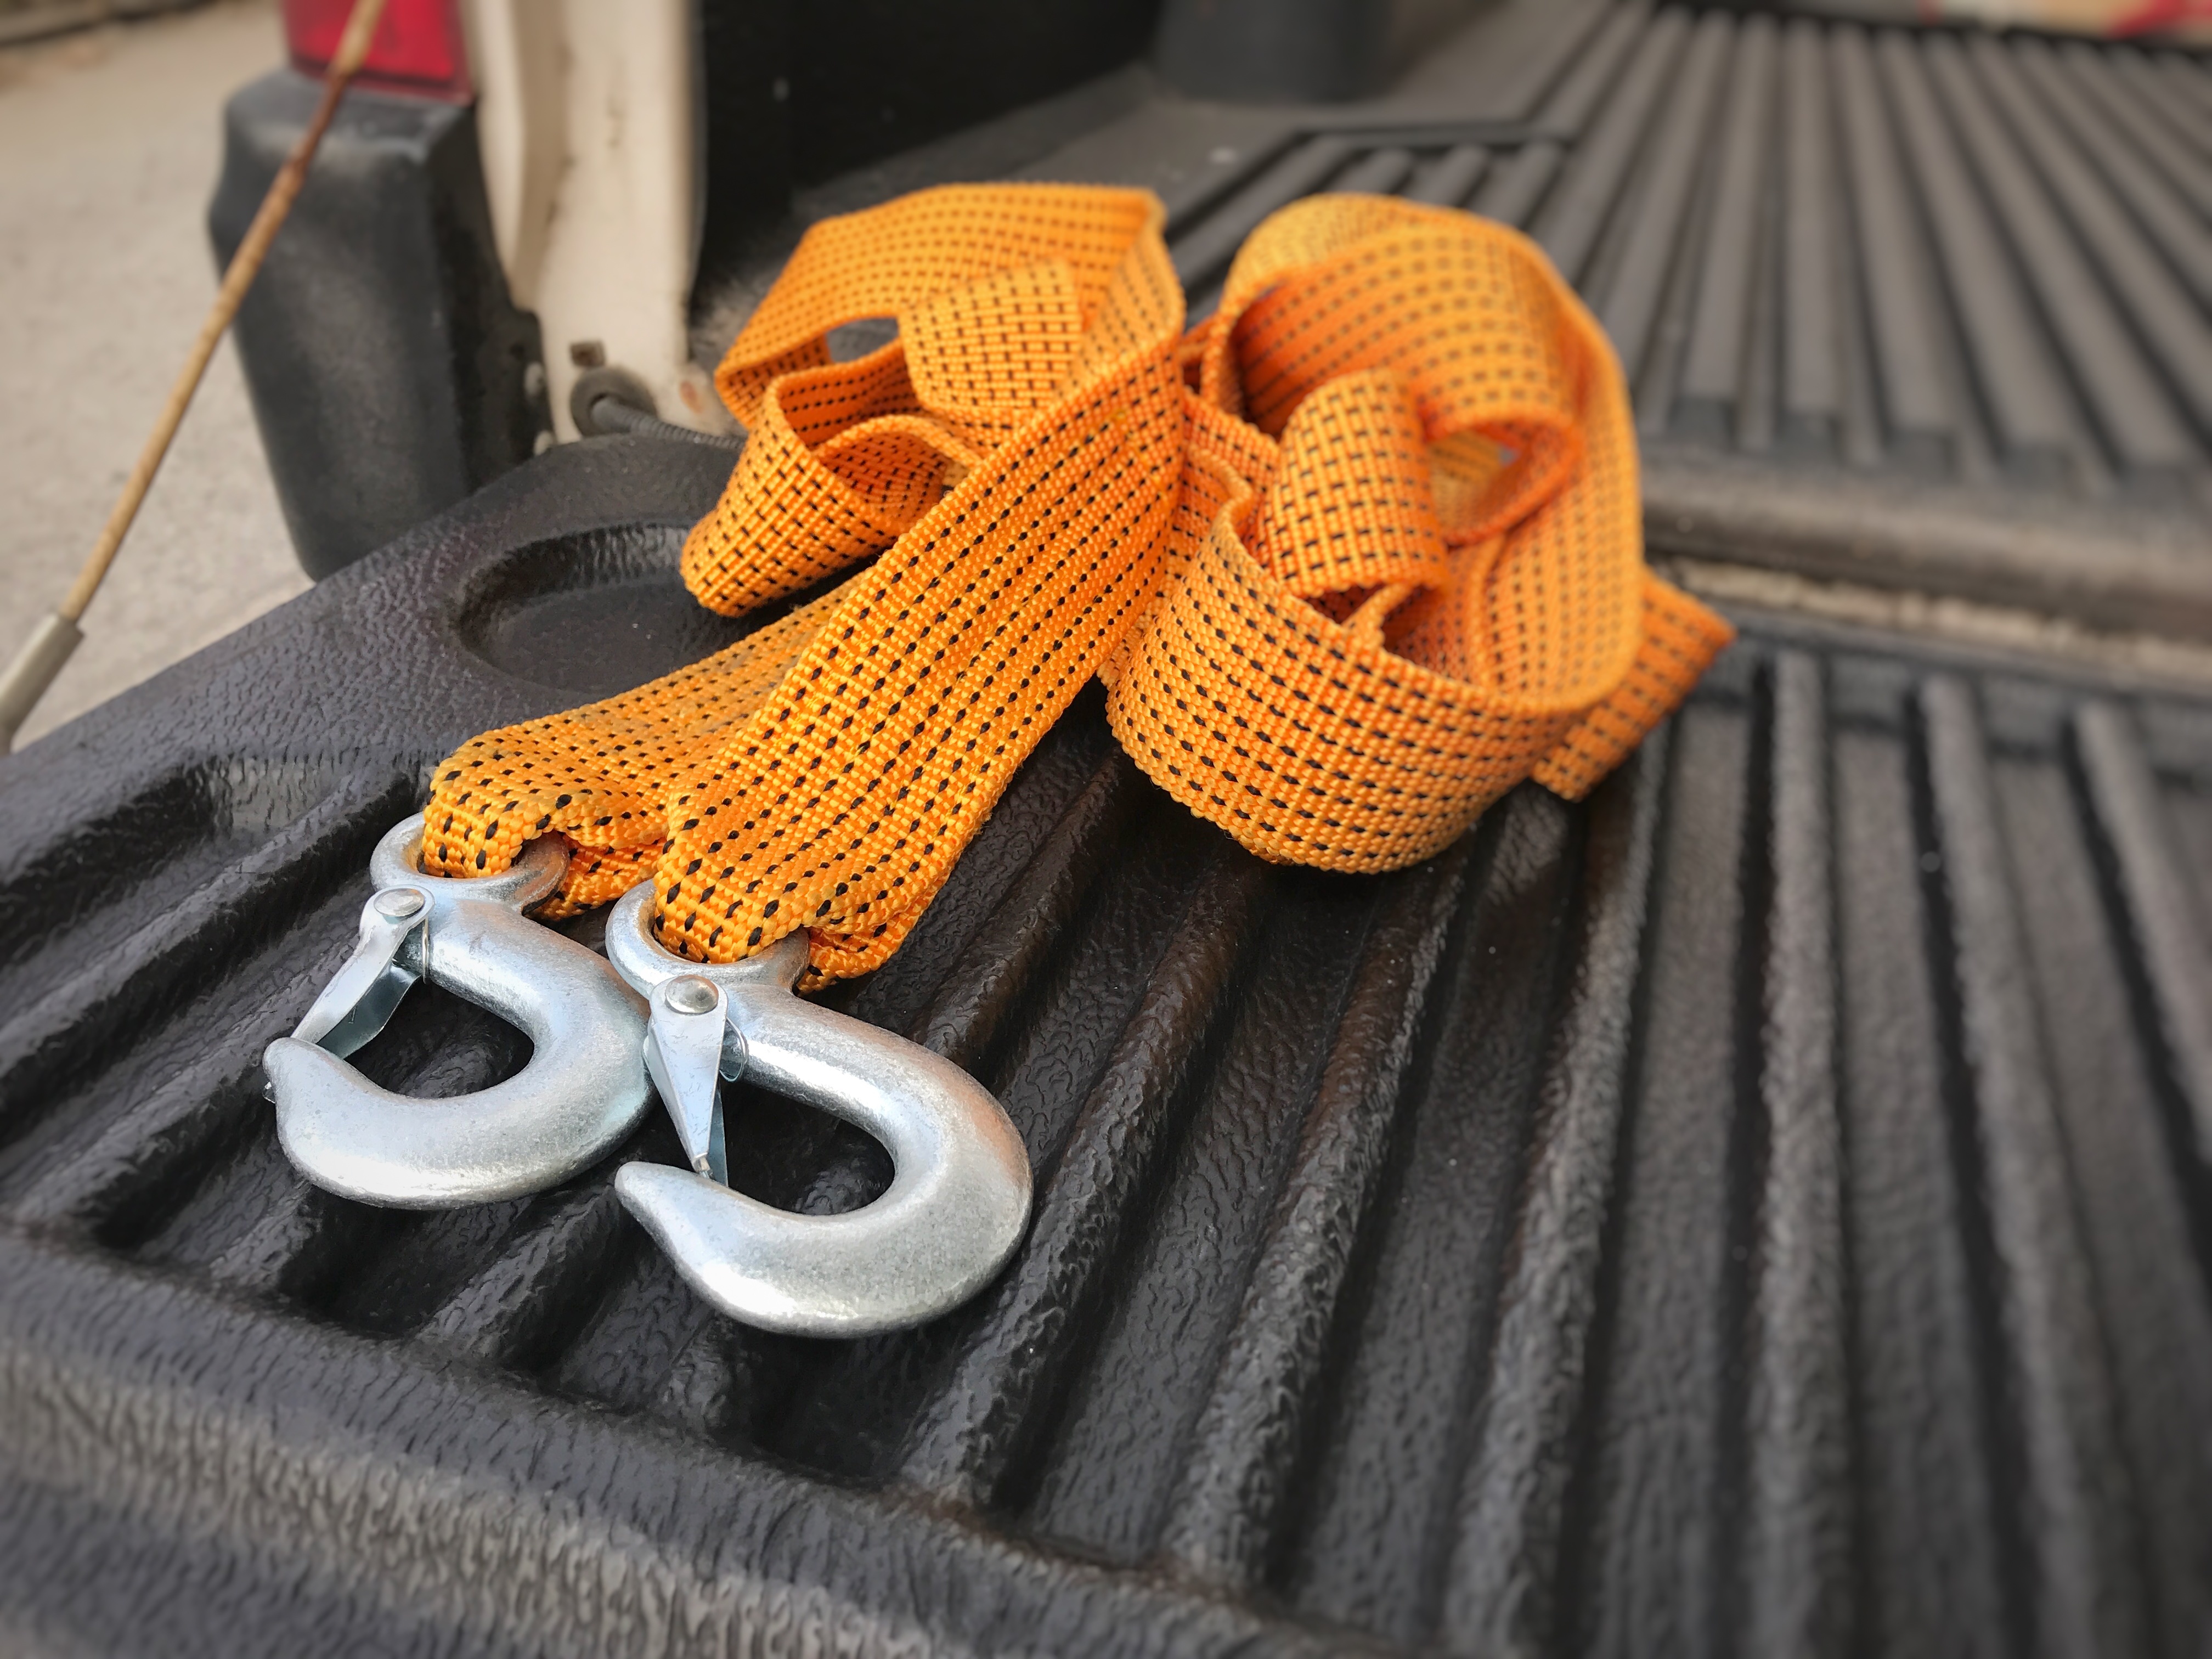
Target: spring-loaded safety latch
580 1093
959 1196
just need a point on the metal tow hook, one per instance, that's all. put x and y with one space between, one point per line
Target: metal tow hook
580 1093
959 1196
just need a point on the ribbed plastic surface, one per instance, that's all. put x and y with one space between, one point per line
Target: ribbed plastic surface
1941 301
1964 254
1762 1209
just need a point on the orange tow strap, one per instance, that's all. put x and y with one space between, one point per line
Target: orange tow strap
1354 556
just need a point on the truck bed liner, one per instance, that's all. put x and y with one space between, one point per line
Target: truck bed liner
1763 1207
1928 309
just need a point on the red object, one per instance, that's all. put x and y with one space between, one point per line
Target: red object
2155 16
417 49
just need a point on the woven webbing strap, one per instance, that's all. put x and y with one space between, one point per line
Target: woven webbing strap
1354 558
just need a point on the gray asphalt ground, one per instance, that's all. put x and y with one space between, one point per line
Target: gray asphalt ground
109 145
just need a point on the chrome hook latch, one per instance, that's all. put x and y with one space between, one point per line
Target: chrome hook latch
581 1091
959 1196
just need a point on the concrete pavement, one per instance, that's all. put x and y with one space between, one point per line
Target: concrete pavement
109 146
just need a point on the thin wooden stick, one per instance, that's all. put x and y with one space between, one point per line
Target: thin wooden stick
57 634
245 265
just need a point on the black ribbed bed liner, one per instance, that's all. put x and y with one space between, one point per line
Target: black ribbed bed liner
1762 1209
1930 308
1925 308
